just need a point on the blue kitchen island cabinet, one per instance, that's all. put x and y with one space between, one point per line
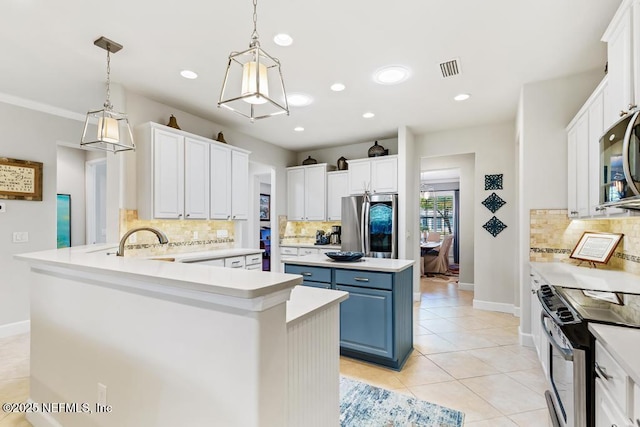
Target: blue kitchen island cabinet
376 320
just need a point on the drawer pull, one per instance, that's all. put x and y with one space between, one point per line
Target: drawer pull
235 262
360 279
638 422
306 273
602 372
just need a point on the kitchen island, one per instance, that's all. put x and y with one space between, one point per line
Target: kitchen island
376 323
165 344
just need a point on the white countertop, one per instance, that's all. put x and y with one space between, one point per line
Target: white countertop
623 344
232 282
306 300
370 264
572 276
309 245
206 255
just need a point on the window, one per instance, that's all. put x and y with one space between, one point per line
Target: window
437 212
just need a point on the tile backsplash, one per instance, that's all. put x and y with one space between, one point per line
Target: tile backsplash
302 231
210 235
553 237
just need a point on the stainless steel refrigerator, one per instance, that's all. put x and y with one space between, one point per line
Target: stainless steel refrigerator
370 225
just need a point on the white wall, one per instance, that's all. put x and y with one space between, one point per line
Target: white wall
466 164
494 258
71 180
28 135
331 155
545 109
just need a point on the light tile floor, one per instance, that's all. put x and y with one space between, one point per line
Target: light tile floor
466 359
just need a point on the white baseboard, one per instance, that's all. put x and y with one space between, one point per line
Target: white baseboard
493 306
525 339
40 419
16 328
417 296
465 286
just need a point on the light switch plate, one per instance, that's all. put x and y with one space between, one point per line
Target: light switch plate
3 207
20 236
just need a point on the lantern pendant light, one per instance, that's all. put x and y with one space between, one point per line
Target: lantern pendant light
253 85
111 129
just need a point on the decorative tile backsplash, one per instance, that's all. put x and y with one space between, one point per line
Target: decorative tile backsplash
554 235
303 231
210 235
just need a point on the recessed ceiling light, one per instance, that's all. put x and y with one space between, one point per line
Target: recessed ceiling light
283 39
368 115
337 87
188 74
392 74
298 128
299 99
462 97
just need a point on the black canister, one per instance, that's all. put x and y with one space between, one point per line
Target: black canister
342 164
376 150
309 161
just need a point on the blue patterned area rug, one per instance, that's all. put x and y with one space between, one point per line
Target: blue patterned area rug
362 405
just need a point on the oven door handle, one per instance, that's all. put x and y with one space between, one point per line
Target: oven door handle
566 353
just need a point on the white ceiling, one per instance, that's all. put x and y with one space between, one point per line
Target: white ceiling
48 56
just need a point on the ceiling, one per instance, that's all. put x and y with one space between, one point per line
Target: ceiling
48 56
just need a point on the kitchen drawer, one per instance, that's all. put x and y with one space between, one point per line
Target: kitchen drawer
289 251
308 251
313 274
367 279
614 378
321 285
253 259
254 267
234 262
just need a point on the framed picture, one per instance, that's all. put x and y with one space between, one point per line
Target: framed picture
265 207
596 247
20 179
64 220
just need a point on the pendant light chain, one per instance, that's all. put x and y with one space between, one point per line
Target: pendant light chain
254 35
107 103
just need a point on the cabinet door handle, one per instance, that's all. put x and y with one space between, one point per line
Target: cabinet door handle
632 106
188 215
638 422
602 372
623 113
235 262
179 215
360 279
574 212
307 274
598 208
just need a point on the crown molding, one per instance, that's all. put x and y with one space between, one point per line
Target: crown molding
41 107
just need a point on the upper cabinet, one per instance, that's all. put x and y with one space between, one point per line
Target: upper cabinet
337 188
307 193
185 176
375 174
623 55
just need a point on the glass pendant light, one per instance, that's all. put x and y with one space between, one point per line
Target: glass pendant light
253 85
111 129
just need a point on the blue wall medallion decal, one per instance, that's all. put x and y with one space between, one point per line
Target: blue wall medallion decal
493 182
494 226
493 202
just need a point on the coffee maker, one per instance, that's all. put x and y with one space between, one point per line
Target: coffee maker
336 231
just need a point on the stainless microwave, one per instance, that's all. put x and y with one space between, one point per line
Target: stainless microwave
620 163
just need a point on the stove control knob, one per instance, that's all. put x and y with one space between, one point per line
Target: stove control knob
546 290
565 316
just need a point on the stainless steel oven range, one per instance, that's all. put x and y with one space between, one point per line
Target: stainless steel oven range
570 362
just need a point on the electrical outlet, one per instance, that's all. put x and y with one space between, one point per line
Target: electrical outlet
133 239
221 234
102 394
20 236
3 207
195 235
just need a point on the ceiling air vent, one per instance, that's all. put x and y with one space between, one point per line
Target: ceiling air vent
450 68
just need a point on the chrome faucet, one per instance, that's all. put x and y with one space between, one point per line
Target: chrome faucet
161 237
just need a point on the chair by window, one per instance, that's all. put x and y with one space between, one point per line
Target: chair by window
438 263
433 236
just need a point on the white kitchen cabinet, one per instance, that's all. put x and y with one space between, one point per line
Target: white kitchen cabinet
607 412
619 39
307 193
596 129
229 183
578 168
376 175
572 172
539 339
234 262
196 176
636 404
337 188
168 175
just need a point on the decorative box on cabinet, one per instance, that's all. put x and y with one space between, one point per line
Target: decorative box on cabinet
337 188
376 175
307 192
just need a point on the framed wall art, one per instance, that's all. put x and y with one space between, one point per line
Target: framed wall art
265 207
596 247
64 220
20 179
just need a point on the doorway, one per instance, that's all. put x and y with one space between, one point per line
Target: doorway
96 200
